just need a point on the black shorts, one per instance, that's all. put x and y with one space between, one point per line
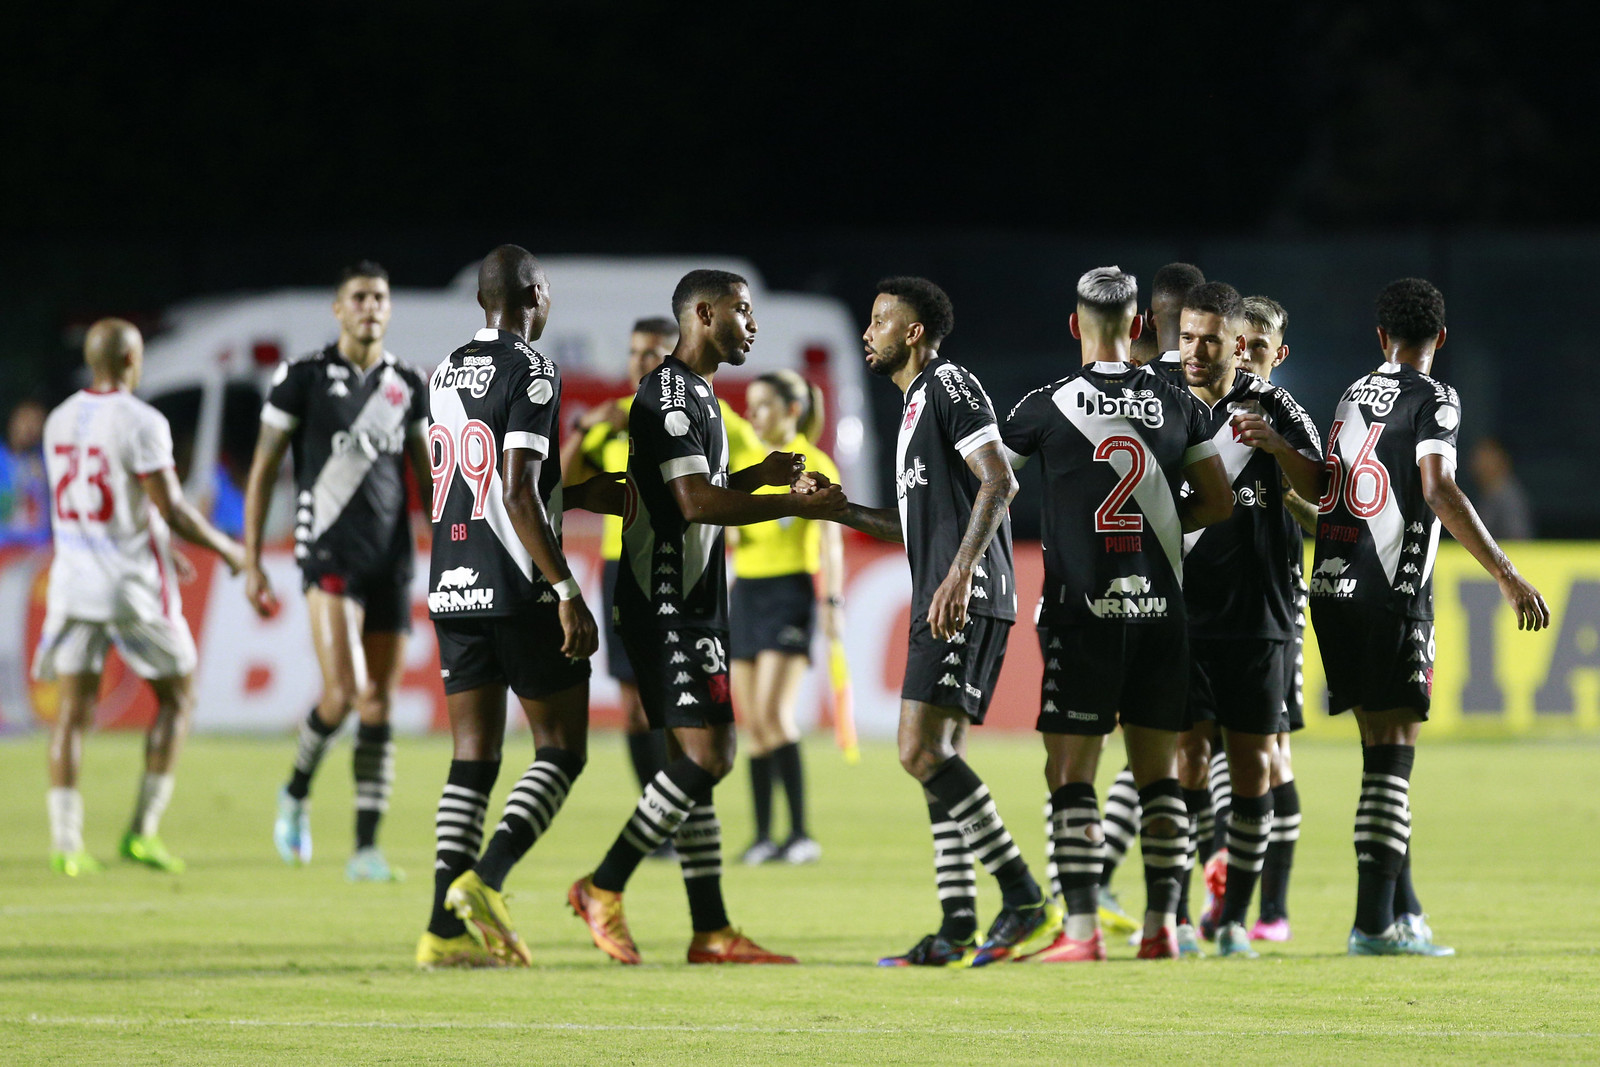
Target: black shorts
682 675
1374 659
617 664
520 651
1240 683
956 674
1095 673
384 596
1294 667
773 614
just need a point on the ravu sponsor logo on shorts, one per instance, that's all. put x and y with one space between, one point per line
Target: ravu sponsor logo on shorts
1128 598
1326 580
455 592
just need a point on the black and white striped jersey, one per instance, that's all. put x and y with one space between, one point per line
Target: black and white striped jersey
494 394
673 572
947 416
1376 536
348 432
1236 582
1114 440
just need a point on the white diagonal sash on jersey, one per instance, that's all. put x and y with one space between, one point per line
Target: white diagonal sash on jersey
1151 492
342 475
1388 525
915 405
1236 455
448 409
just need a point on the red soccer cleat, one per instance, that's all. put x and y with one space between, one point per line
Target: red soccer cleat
1163 946
728 945
1066 950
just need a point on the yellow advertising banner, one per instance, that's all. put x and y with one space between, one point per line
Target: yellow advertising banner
1489 678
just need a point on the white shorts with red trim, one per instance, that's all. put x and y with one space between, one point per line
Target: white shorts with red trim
153 647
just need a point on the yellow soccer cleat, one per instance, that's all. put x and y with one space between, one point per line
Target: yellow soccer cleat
1112 918
74 864
484 910
434 951
148 850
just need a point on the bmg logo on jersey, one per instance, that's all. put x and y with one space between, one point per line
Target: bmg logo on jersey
455 592
474 374
912 476
1126 598
1375 392
1144 408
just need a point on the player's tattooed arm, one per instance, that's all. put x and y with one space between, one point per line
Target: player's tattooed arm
271 444
1300 509
166 495
1211 497
882 523
520 494
1447 500
947 613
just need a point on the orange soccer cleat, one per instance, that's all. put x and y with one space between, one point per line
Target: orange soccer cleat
728 945
602 911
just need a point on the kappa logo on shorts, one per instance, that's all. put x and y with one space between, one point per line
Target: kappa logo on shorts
1416 528
1051 686
949 679
1125 598
953 657
1050 705
678 657
685 699
683 678
666 609
1082 716
974 692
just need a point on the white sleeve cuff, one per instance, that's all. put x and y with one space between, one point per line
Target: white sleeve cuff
1202 451
684 466
279 419
1437 448
977 439
533 441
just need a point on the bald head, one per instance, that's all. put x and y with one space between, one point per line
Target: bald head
114 352
513 291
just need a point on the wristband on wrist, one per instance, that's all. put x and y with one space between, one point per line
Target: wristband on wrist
568 589
834 601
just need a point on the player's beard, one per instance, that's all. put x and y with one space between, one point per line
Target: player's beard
891 357
732 346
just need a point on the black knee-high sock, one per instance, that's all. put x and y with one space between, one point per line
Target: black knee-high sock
786 761
647 750
1079 846
1383 832
1249 826
953 877
372 763
312 741
1280 852
1405 894
761 795
699 845
1120 822
662 807
458 832
1197 803
1165 857
967 799
1221 785
530 809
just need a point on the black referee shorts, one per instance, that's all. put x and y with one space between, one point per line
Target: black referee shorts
776 614
520 651
1374 659
961 673
1097 673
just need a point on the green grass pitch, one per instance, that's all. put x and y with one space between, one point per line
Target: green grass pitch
243 960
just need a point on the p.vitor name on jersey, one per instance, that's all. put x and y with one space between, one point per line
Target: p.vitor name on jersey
1377 538
494 394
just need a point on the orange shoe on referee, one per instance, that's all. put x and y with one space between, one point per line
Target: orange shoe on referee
602 911
728 945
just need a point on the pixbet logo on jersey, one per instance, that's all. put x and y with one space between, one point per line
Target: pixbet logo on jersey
454 592
912 476
1125 598
1140 407
474 374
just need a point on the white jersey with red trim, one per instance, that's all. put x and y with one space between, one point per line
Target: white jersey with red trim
113 551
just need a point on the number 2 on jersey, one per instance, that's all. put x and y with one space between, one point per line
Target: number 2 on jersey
1365 485
99 469
1109 516
472 452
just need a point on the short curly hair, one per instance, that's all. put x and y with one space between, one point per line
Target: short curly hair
927 301
1411 309
1216 298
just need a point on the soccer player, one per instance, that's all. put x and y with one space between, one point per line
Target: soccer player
1265 325
1389 482
1117 443
672 611
1237 586
774 607
505 607
953 485
1168 289
116 502
355 417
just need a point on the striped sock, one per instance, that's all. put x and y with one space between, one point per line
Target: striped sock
1221 800
662 807
458 833
953 875
967 799
1383 832
530 809
1197 802
699 845
313 740
1079 850
1280 852
1166 854
1052 876
1120 822
373 764
1249 826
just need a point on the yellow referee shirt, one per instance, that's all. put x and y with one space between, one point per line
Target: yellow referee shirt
789 545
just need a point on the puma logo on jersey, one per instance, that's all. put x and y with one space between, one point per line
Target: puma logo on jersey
1125 598
1145 409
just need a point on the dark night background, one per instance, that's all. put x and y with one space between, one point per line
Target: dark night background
1313 151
